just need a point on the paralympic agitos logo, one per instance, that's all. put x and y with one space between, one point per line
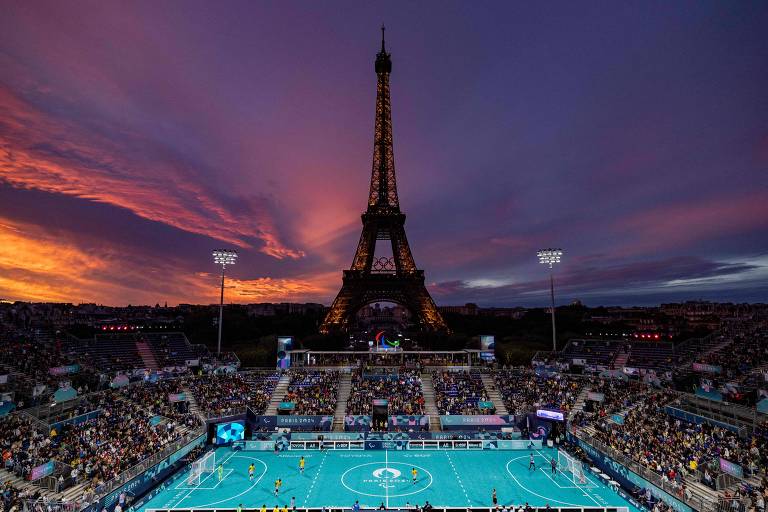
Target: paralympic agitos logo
382 341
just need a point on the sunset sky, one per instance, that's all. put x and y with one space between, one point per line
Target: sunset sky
135 137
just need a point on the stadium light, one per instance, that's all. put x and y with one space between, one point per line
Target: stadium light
550 257
223 257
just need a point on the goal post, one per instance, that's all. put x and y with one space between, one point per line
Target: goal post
205 464
566 463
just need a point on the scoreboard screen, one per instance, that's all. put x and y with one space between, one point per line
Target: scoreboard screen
227 433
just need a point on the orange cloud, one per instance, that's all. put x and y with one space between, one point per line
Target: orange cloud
267 289
41 265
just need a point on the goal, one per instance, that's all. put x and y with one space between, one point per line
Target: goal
205 464
566 463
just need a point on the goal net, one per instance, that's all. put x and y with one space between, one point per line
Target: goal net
205 464
566 463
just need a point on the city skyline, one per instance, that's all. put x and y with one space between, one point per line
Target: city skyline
134 139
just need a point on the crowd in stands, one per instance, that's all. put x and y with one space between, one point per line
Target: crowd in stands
156 399
313 392
618 395
402 388
742 354
123 434
458 392
34 360
523 390
230 393
674 448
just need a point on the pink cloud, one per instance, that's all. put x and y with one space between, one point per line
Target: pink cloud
45 152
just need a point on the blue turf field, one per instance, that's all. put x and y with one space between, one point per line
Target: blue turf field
338 478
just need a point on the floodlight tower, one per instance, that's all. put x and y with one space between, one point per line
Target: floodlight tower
223 257
550 257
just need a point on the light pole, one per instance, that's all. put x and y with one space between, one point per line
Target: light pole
550 257
223 257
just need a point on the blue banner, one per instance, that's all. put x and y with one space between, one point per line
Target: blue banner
731 468
77 420
64 394
357 423
415 422
6 408
698 419
294 422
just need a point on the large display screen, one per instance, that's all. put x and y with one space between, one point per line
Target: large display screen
229 432
550 415
487 347
284 344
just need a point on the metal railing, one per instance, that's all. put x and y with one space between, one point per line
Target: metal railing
46 505
732 504
696 502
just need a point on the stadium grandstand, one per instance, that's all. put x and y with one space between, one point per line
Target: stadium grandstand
146 421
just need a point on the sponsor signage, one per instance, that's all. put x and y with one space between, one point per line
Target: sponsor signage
487 421
40 471
177 397
731 468
64 370
707 368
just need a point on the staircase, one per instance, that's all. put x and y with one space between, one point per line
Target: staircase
620 361
430 407
717 348
146 354
493 394
345 389
578 406
19 483
194 408
75 492
277 395
700 493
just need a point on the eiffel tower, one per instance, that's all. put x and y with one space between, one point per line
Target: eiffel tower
382 278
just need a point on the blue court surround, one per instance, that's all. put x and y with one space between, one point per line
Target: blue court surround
338 478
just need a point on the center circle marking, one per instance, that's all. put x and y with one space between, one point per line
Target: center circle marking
386 472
